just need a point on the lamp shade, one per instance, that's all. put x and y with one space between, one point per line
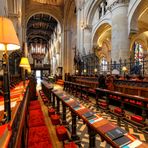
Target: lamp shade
8 35
24 62
28 69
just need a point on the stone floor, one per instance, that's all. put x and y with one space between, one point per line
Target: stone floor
82 128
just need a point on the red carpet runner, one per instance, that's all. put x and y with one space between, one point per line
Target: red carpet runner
38 136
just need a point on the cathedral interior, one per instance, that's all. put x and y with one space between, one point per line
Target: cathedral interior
73 73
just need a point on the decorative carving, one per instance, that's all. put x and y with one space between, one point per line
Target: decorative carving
117 2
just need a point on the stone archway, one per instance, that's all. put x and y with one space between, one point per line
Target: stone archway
137 12
89 14
140 32
44 12
102 41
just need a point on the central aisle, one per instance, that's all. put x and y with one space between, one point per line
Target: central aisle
55 142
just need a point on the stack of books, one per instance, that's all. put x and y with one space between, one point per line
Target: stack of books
100 123
133 144
121 138
75 105
79 107
70 101
88 114
92 117
82 111
116 133
106 127
65 98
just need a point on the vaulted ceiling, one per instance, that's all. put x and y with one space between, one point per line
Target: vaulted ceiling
40 27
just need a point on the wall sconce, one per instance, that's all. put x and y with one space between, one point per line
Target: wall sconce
8 41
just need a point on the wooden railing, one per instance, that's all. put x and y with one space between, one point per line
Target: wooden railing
139 88
19 123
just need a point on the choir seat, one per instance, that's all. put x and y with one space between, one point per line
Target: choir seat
137 118
55 119
51 111
61 133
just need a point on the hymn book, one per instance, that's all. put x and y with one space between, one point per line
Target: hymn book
116 133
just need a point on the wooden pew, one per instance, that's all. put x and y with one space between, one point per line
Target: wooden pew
139 88
131 108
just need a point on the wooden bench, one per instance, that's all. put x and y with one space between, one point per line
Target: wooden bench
131 108
139 88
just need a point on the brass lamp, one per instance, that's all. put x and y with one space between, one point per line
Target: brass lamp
124 69
8 41
28 70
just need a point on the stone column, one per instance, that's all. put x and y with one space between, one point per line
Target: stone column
87 39
120 40
68 56
3 8
78 28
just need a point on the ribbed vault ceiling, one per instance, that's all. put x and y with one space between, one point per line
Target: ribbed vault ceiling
40 27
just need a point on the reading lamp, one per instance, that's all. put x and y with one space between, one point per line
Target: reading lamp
124 69
25 65
8 42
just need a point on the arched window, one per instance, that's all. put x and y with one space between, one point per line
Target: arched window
103 64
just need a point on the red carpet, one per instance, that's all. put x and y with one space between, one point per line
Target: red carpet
37 135
34 105
36 120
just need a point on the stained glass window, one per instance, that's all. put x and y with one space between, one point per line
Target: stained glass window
138 53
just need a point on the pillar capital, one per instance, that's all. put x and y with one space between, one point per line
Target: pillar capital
13 15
